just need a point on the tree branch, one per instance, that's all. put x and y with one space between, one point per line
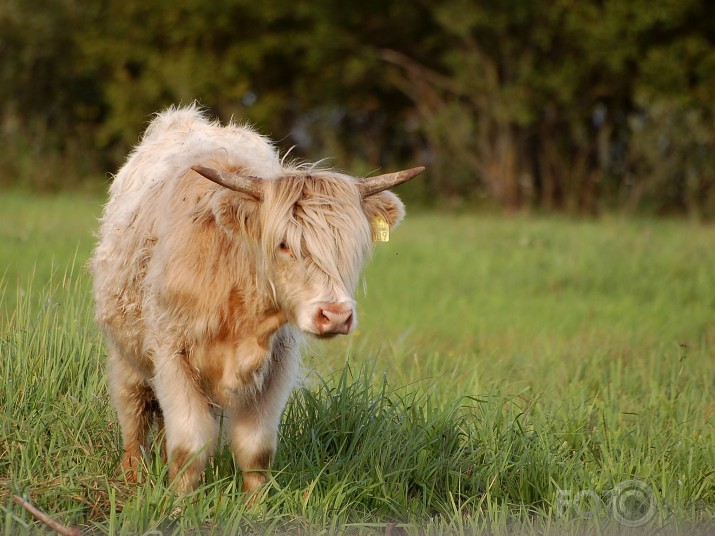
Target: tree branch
44 518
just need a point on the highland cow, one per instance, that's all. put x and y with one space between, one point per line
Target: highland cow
214 258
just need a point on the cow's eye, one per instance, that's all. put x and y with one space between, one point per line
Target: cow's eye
283 246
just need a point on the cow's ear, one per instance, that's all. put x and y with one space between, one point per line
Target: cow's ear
237 213
384 204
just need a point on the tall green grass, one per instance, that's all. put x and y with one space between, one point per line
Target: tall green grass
507 376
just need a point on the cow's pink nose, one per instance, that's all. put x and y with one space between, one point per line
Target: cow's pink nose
333 319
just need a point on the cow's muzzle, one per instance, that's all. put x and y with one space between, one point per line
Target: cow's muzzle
333 319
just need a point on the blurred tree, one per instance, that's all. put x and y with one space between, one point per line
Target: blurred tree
671 152
49 102
554 104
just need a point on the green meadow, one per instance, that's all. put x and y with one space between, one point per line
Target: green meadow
508 375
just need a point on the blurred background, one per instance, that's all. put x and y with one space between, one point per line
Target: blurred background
499 361
517 105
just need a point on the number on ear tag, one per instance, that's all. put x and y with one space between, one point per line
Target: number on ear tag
380 229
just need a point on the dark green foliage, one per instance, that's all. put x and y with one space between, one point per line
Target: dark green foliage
402 449
556 104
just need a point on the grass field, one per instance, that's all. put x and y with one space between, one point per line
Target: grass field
526 375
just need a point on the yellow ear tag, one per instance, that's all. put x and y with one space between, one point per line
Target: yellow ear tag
380 229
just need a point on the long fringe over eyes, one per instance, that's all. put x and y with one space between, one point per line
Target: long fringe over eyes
303 211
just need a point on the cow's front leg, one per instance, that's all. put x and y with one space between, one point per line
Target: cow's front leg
253 424
190 426
136 408
253 442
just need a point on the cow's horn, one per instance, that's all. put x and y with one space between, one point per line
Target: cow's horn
233 181
378 183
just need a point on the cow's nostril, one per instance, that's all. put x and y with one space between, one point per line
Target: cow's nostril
334 320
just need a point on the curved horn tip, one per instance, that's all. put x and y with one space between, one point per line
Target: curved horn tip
413 172
209 173
372 185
